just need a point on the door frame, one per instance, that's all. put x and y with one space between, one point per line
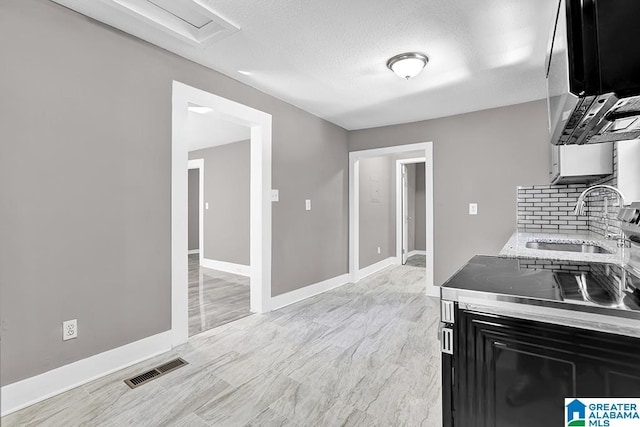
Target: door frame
354 206
400 203
199 165
260 195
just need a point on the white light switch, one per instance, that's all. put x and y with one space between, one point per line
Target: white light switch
275 196
206 205
307 204
473 209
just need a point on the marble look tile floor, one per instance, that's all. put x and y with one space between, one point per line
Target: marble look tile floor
364 354
215 297
417 261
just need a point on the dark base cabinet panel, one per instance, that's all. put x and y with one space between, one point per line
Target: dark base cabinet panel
509 372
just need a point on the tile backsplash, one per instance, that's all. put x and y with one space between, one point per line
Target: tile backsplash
550 207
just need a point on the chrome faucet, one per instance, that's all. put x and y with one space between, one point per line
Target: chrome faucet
580 205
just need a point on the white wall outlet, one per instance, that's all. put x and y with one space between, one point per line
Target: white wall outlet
473 209
70 329
206 205
378 249
307 204
275 196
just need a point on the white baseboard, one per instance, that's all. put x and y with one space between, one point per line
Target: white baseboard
433 291
308 291
193 251
373 268
35 389
228 267
416 252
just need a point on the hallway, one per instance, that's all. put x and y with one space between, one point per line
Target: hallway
364 354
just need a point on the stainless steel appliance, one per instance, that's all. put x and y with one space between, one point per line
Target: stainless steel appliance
593 72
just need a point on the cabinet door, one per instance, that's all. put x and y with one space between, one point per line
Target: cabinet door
516 373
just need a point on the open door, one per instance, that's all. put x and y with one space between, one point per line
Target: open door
405 216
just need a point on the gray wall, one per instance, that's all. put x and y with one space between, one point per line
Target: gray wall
227 174
420 212
193 218
86 234
478 157
377 210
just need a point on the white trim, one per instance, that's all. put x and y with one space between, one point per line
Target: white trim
416 252
36 389
374 268
199 164
228 267
193 252
354 213
260 195
294 296
398 201
354 218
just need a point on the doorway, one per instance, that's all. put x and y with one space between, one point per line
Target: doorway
425 151
410 211
259 124
219 274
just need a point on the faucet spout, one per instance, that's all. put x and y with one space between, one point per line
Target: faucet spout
581 203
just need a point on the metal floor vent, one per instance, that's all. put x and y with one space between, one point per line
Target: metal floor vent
156 372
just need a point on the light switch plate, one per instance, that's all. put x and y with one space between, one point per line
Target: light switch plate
275 196
307 204
473 209
206 205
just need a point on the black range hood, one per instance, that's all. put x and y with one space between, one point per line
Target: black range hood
593 72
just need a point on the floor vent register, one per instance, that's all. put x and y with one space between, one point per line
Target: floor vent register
156 372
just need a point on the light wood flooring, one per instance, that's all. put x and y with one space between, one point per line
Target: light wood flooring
364 354
215 297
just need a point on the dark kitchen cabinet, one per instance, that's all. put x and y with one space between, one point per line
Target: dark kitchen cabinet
507 372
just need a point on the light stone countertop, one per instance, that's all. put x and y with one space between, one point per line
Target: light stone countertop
516 247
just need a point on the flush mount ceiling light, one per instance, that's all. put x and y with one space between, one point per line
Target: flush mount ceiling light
407 65
199 110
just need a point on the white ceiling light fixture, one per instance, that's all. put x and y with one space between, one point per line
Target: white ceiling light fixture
199 110
407 65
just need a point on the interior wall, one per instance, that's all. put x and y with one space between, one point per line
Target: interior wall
479 157
377 210
227 190
90 108
193 214
421 207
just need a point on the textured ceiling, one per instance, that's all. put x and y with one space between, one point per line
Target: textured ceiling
328 57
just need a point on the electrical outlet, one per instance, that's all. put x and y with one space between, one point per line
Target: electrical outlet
378 249
206 205
307 204
70 329
275 196
473 209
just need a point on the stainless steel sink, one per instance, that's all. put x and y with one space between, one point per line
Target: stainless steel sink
568 247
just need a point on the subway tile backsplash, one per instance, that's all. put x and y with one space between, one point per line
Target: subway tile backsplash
550 208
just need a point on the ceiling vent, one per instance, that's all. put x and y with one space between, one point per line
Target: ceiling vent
191 20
